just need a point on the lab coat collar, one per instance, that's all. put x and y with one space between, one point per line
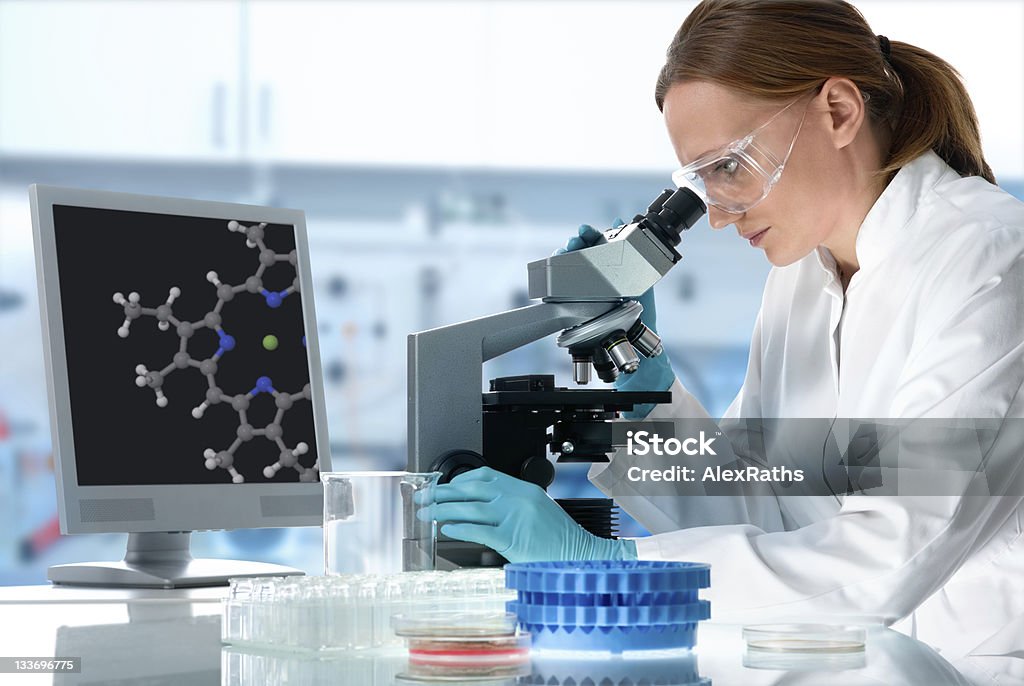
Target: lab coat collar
884 228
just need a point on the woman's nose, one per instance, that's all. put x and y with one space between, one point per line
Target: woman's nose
719 219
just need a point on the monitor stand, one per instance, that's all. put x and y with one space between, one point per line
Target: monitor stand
161 560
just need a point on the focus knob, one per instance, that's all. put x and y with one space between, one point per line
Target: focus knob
455 462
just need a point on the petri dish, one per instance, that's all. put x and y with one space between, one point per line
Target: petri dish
454 624
805 638
456 646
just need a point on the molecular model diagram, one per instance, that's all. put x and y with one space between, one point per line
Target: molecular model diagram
225 459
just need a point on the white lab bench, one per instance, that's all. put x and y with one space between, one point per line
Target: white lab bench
158 637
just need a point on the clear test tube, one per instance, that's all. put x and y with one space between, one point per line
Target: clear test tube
285 625
340 623
237 611
367 597
311 613
409 585
391 604
430 593
261 617
371 524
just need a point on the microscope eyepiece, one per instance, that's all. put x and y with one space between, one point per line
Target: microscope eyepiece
673 212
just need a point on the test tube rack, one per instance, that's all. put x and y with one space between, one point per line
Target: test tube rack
336 614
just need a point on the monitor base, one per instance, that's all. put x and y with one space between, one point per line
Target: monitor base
161 560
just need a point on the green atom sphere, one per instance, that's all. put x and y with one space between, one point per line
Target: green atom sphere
270 342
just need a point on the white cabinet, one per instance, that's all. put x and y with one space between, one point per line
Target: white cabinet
120 79
501 83
571 84
359 82
558 84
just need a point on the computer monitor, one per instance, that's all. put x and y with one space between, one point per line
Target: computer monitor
183 375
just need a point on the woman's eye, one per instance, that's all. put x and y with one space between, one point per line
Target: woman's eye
728 165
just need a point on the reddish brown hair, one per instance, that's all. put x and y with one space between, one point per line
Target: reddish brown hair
778 49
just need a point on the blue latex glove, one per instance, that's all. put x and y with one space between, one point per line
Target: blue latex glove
654 374
586 237
515 518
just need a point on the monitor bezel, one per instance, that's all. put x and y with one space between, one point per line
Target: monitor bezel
186 507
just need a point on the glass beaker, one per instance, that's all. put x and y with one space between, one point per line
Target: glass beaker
370 523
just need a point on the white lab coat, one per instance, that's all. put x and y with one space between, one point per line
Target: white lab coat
932 325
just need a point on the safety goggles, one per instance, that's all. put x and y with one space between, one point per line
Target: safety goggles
740 175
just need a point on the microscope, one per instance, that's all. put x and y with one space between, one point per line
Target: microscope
589 295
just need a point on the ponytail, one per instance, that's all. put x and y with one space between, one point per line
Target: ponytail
935 114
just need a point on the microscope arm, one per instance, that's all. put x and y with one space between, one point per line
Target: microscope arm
445 367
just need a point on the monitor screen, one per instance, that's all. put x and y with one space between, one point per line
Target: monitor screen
185 349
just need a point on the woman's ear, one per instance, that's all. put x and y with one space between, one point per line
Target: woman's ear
846 109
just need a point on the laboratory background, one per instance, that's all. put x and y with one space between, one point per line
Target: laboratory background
435 147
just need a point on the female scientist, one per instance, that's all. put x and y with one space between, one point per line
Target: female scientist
897 291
